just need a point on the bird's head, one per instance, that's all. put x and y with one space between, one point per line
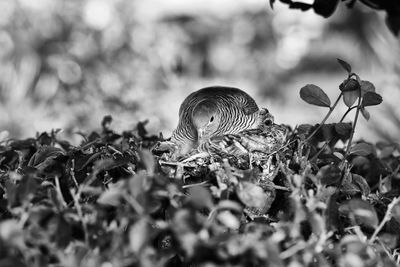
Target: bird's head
205 118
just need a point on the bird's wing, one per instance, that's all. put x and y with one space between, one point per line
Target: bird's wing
250 108
222 94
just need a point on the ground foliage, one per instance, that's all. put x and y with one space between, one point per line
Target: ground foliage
322 199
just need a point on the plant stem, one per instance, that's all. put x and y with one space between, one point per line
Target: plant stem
134 204
193 185
353 128
386 218
326 143
76 196
59 193
320 151
299 246
347 112
326 117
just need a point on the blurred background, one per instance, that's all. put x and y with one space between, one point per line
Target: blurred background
66 64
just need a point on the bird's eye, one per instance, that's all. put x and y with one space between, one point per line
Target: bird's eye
268 122
212 119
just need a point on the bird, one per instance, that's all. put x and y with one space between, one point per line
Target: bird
214 111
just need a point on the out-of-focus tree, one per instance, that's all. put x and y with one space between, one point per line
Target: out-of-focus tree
326 8
373 39
66 64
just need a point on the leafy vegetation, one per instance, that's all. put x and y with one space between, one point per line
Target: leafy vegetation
326 8
321 199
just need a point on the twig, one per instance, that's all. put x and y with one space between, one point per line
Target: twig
283 188
276 151
196 156
59 193
326 117
114 150
396 256
386 218
320 151
72 173
293 250
385 249
134 204
76 196
171 163
353 129
347 112
193 185
89 144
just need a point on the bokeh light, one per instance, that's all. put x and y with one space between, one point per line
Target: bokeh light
66 64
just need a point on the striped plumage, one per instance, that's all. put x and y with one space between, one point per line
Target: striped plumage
213 111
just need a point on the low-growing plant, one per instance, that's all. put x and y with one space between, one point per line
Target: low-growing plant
109 202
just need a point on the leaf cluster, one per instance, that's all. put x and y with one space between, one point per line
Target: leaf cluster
110 202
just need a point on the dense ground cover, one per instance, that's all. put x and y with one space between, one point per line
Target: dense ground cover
322 199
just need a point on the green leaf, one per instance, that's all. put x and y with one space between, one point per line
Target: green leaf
106 122
45 139
314 95
371 99
9 159
396 213
251 195
148 161
229 220
350 189
27 188
11 233
139 235
361 149
343 128
350 85
367 86
185 227
140 183
44 153
353 245
328 132
386 150
329 174
300 5
361 183
361 212
344 65
325 8
350 97
332 219
271 3
111 197
200 197
365 113
12 193
230 205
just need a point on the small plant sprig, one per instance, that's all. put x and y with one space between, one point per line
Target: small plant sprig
356 93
